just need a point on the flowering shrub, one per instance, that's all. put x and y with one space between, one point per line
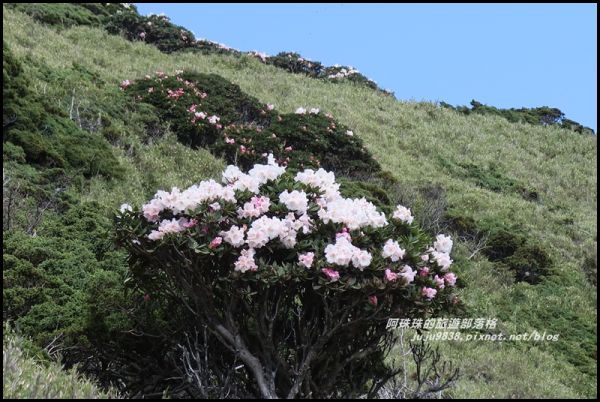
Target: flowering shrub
208 111
198 106
294 63
297 281
155 29
298 140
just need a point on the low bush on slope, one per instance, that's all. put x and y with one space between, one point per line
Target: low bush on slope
208 111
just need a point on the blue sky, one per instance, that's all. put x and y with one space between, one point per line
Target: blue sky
504 55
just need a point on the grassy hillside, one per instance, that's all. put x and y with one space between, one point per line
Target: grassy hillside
483 164
26 378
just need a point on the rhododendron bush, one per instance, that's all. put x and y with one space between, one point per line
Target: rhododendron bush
295 280
209 111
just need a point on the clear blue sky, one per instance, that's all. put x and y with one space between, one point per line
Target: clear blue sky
504 55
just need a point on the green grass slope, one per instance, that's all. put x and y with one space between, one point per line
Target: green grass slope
483 163
26 378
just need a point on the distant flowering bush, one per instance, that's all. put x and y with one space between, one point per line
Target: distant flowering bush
276 261
154 29
209 111
197 106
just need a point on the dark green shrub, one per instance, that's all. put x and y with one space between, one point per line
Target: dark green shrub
513 248
205 46
13 152
464 226
490 178
154 29
61 14
529 263
46 277
294 63
298 141
212 95
544 115
246 130
46 135
503 242
493 180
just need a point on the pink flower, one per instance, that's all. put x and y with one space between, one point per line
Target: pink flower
425 257
428 293
229 140
344 233
306 259
192 108
424 272
331 274
142 35
150 90
439 282
408 274
125 84
175 94
288 149
270 107
390 276
242 149
190 224
213 119
216 242
246 261
450 278
373 300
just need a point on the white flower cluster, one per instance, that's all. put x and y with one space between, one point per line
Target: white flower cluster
255 207
234 236
302 110
443 244
168 226
261 227
294 201
403 214
261 55
392 250
441 251
257 176
265 229
442 259
321 179
178 201
343 73
246 262
343 252
353 213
